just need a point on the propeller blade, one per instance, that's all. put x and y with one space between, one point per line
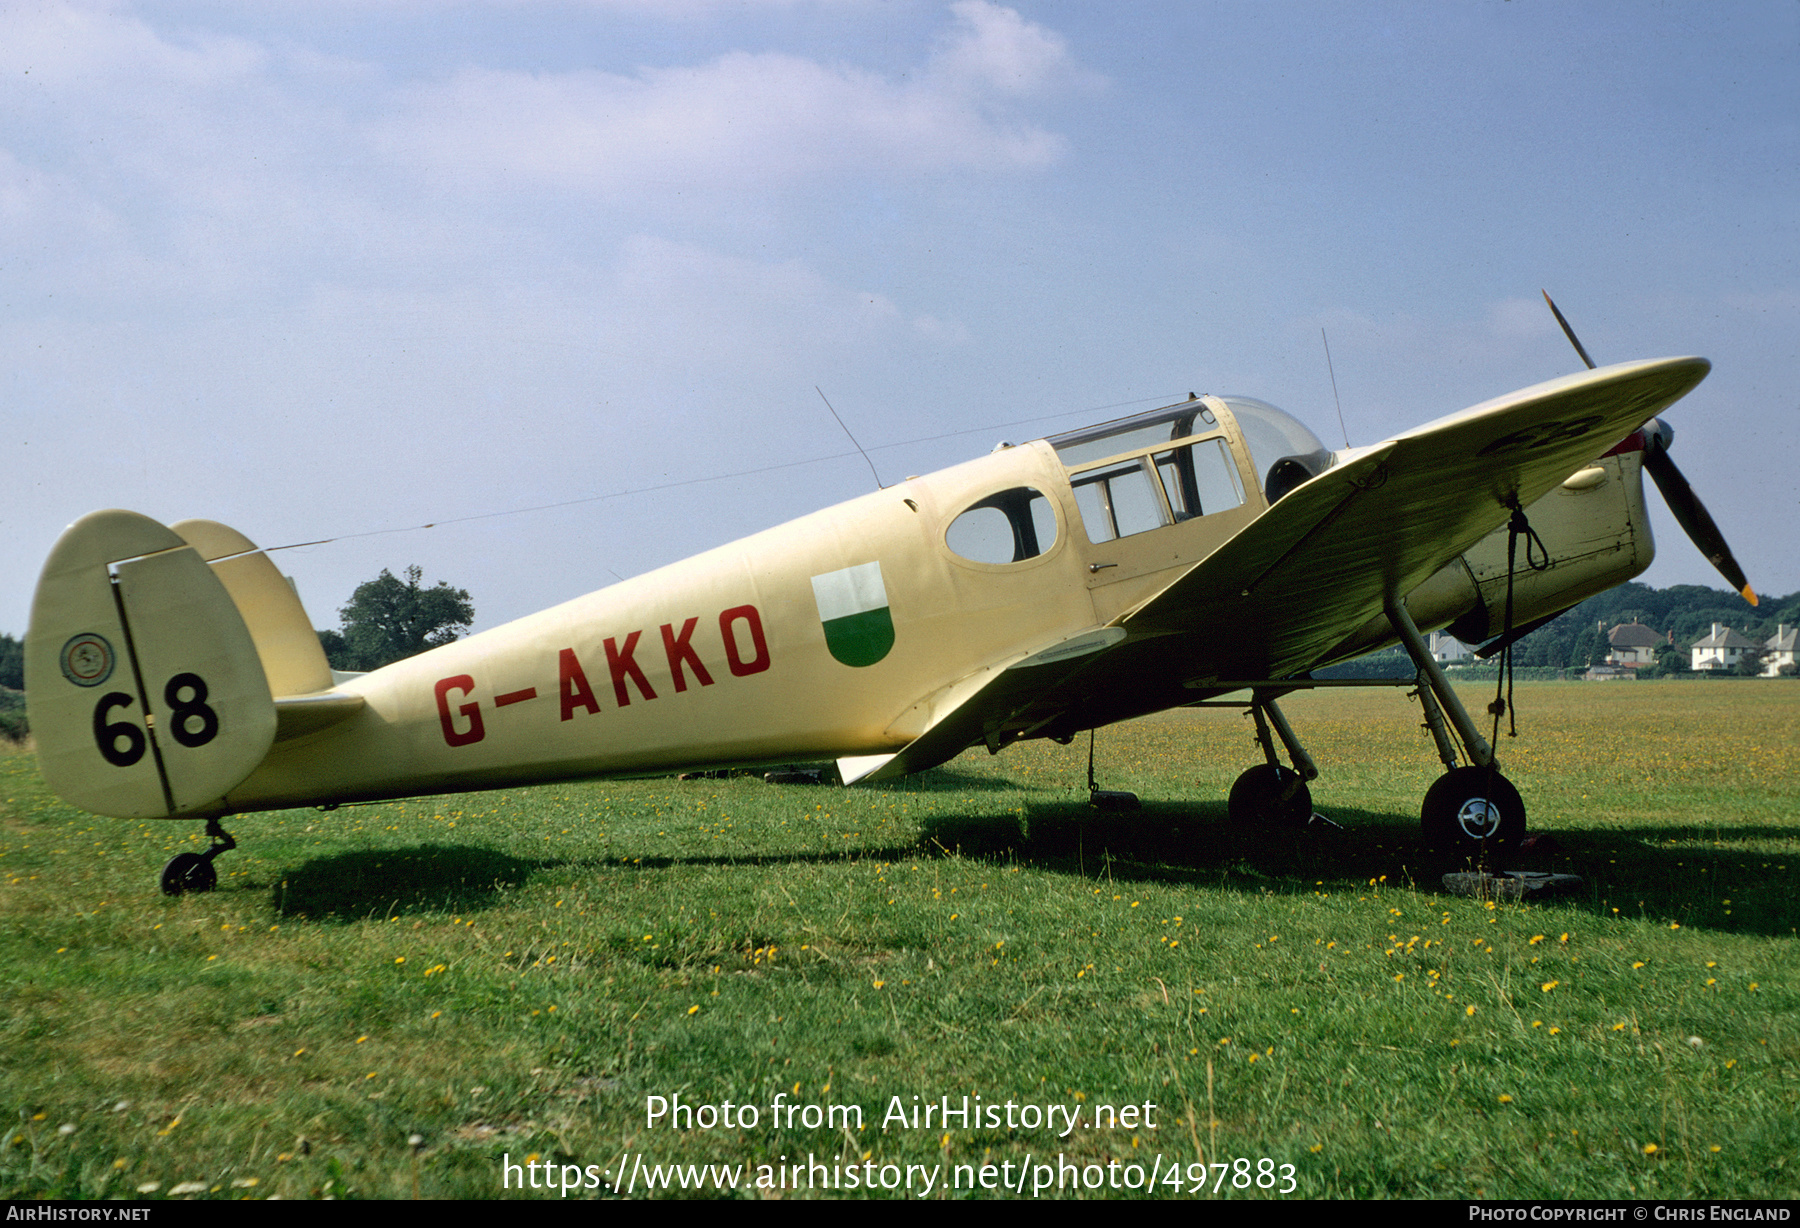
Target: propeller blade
1567 331
1690 513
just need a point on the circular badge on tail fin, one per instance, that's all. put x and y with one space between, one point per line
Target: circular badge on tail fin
87 659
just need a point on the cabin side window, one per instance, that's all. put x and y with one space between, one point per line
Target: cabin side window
1118 500
1200 479
1008 527
1142 493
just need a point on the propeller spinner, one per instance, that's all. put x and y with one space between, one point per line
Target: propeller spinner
1689 512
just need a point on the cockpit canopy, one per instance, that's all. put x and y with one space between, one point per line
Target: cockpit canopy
1283 452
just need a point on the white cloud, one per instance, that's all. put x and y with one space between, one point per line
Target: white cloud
90 46
995 47
742 121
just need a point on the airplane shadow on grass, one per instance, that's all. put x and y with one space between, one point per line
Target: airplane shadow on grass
1628 874
1662 873
376 884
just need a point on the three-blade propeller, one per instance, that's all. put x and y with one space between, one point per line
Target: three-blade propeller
1689 512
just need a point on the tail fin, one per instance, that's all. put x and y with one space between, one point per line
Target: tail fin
146 689
292 659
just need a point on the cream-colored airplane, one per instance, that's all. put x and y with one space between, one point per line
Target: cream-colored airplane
1210 547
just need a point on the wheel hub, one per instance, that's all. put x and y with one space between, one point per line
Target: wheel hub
1478 818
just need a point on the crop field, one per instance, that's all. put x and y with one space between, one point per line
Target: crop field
729 988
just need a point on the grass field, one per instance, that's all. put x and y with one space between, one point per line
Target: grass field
389 1001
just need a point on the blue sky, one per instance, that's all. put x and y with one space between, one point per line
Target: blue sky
325 268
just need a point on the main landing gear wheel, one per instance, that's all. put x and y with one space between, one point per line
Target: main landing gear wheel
189 872
1467 807
1256 798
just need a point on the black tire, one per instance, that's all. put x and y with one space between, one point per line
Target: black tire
188 872
1256 799
1468 807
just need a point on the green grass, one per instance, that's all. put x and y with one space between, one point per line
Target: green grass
384 1001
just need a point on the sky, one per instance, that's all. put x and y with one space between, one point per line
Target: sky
566 281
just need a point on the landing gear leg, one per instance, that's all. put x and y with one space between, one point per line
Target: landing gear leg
1467 808
191 872
1270 795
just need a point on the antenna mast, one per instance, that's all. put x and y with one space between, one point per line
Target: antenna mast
852 438
1334 391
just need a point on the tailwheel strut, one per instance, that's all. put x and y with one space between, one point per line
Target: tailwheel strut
192 872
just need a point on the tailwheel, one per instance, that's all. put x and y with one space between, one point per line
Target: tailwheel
1468 807
189 873
1269 795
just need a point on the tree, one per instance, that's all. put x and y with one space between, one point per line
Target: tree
1671 660
12 663
389 620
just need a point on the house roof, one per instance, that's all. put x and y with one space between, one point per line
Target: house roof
1633 635
1724 637
1782 640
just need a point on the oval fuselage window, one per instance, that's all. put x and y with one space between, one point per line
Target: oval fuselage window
1008 527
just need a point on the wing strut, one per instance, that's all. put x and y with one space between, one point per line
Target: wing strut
1480 753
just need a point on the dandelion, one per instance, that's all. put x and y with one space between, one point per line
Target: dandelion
1649 1149
692 1010
1470 1011
1505 1099
1547 986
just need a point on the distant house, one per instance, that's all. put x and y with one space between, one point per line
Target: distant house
1720 650
1448 650
1631 644
1778 650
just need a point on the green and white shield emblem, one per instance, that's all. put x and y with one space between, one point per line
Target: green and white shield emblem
853 605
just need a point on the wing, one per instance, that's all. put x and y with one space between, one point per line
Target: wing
1311 570
1324 560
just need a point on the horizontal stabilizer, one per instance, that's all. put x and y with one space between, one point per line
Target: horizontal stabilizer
298 715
